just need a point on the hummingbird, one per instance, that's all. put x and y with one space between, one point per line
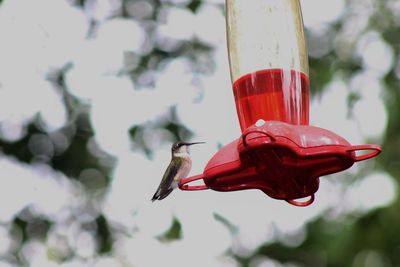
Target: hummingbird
178 168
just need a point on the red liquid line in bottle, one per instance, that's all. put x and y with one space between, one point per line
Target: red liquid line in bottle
274 94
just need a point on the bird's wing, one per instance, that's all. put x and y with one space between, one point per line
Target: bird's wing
170 174
164 188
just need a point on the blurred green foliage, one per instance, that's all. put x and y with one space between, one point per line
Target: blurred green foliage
173 233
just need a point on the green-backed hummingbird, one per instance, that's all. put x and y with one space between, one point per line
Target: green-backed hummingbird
178 168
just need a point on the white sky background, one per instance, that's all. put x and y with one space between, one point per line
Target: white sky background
36 39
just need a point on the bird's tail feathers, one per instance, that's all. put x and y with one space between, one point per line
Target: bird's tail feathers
156 195
161 195
165 194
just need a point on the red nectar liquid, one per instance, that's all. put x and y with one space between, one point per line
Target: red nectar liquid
274 94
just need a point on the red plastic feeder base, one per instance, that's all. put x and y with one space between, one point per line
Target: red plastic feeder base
284 161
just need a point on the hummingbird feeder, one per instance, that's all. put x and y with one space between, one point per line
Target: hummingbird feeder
278 151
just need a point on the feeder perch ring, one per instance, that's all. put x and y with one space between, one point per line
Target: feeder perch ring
302 203
184 185
375 150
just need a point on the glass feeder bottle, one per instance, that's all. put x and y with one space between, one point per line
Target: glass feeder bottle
268 61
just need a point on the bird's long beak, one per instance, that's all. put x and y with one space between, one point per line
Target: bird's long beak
189 144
